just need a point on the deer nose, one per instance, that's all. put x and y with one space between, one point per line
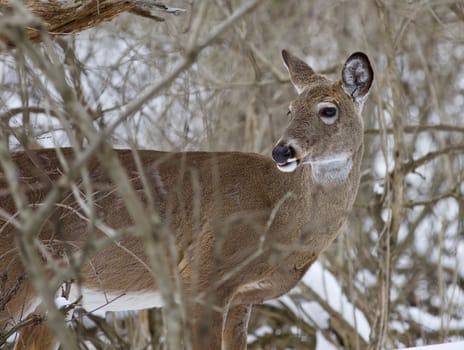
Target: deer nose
281 154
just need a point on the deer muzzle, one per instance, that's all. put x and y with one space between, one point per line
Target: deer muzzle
284 156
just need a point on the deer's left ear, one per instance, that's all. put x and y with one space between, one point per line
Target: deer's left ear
357 77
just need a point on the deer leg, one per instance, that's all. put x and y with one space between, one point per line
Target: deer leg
17 301
36 336
206 323
235 327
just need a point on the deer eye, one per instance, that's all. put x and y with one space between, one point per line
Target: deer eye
328 112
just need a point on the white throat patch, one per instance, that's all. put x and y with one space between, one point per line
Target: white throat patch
333 169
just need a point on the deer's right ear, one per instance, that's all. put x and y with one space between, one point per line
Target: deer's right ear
357 77
300 72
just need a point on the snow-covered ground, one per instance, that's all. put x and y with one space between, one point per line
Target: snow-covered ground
448 346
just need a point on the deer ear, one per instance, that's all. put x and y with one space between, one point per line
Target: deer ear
357 77
300 72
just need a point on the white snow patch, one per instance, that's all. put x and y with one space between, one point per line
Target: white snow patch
431 322
310 312
327 287
317 313
423 237
399 326
322 343
445 346
378 187
263 330
260 332
365 279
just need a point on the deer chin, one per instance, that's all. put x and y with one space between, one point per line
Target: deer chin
289 166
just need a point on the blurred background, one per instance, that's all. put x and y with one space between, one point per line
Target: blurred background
395 276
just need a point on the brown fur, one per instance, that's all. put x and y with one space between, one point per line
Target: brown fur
238 194
35 336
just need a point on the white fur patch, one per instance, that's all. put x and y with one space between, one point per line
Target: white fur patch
327 120
331 169
101 301
355 68
289 166
257 285
28 309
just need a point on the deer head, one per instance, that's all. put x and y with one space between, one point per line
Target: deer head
326 128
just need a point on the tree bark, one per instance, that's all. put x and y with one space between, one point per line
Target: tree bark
62 17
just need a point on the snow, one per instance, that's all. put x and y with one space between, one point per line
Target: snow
310 312
322 343
431 322
261 331
327 287
445 346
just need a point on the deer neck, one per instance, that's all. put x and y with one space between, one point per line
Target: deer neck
326 193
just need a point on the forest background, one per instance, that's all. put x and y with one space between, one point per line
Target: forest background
181 75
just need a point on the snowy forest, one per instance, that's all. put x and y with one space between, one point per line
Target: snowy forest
184 75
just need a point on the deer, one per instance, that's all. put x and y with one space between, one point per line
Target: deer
282 211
